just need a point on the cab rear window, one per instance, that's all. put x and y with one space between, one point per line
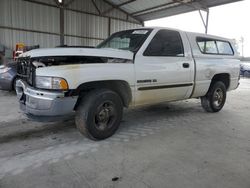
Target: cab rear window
214 46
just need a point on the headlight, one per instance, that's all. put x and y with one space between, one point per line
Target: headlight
43 82
4 69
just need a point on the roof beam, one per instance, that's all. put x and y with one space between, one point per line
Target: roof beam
126 2
182 8
174 10
196 4
96 7
118 8
41 3
68 3
57 3
152 8
81 11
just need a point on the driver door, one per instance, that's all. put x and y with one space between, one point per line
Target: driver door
164 69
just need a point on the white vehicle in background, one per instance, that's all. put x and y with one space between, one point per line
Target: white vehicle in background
131 68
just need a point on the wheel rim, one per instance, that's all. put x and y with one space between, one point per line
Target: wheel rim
105 116
218 97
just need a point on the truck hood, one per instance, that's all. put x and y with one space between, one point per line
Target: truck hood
95 52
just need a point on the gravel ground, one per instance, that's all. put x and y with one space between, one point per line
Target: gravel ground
168 145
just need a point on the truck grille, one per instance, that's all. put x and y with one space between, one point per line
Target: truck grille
26 70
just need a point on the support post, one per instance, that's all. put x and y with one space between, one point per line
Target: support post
61 25
62 5
109 26
205 22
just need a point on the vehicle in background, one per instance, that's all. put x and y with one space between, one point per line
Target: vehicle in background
8 73
245 69
8 66
8 69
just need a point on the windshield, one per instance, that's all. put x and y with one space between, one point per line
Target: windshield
126 40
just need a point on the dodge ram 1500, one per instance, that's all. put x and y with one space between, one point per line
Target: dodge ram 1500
129 69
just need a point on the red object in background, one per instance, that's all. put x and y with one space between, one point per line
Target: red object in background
20 47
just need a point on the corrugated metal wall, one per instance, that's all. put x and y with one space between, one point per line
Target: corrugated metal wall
93 29
39 23
30 23
118 25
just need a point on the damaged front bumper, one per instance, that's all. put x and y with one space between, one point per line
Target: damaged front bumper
43 103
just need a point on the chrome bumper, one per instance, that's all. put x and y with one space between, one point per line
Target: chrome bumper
43 103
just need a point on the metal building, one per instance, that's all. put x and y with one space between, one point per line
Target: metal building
38 22
50 23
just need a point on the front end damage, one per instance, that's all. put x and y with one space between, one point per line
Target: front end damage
43 103
45 99
36 101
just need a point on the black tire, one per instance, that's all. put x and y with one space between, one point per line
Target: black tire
14 84
99 114
215 99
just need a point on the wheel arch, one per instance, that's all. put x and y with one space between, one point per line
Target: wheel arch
223 77
121 87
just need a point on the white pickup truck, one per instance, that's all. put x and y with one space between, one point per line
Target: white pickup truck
131 68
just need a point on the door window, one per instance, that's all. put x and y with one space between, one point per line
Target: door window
165 43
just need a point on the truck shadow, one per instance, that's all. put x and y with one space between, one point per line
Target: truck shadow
34 131
17 131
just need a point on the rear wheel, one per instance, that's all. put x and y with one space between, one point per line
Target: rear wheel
99 114
215 99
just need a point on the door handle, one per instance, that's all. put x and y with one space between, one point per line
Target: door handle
185 65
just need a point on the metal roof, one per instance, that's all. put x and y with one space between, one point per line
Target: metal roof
144 10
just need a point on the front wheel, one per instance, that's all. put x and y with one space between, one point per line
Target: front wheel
99 114
215 99
14 84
